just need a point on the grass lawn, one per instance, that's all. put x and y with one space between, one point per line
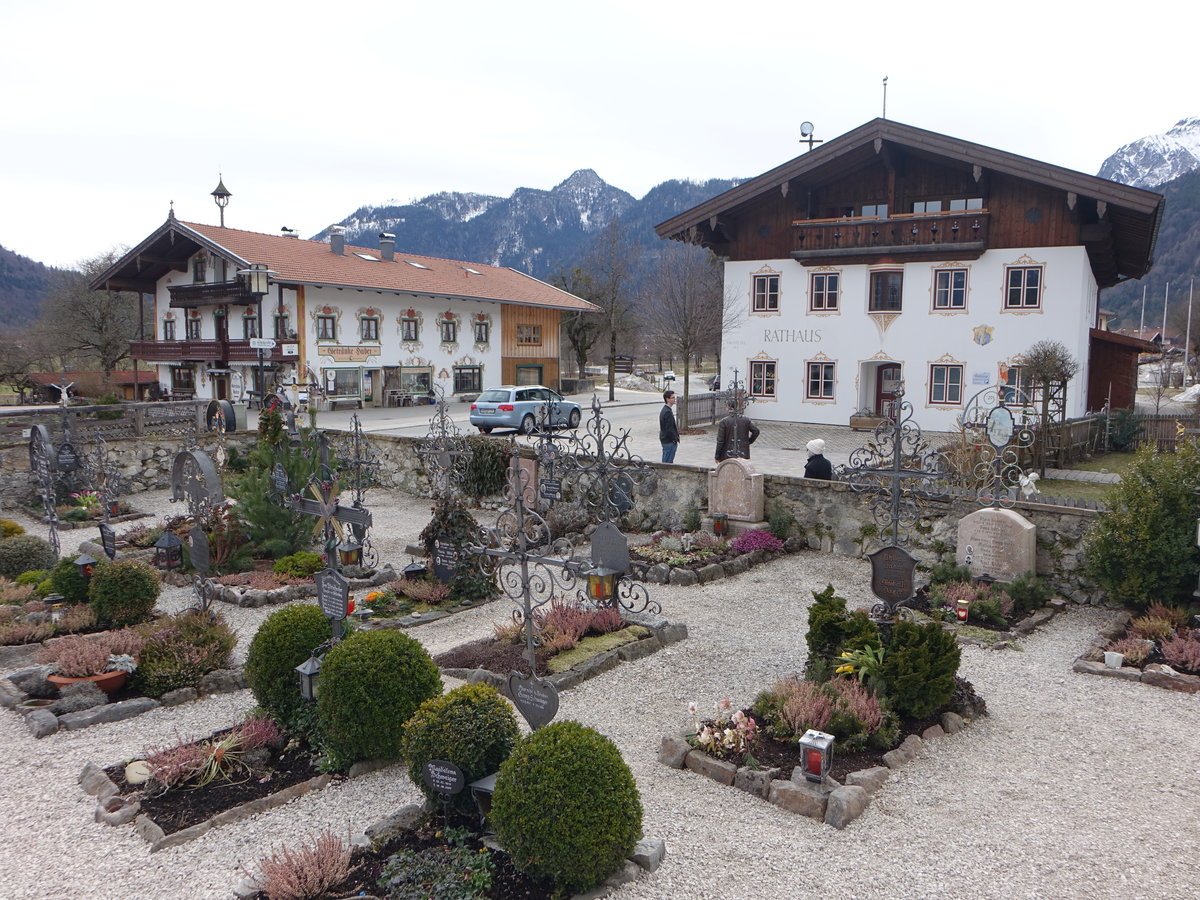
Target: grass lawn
1118 463
1076 490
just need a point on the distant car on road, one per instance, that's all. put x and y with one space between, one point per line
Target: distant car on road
668 375
714 383
521 407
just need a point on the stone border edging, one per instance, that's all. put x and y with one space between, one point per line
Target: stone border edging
1024 628
113 809
662 634
42 722
240 595
661 573
1155 674
830 801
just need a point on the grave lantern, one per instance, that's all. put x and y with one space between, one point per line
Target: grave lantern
414 570
720 524
817 747
349 551
962 609
310 674
168 551
56 603
114 507
84 565
601 582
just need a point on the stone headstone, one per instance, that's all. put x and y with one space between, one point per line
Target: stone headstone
735 489
445 558
997 542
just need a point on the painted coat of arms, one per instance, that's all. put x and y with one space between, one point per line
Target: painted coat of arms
983 334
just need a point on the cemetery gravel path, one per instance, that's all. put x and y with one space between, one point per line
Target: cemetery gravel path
1075 786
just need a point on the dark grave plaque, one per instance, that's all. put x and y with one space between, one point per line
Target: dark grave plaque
67 458
443 778
108 540
892 571
445 558
333 593
620 493
535 699
610 548
200 553
550 488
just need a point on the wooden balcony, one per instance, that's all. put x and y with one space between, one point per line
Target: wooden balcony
185 296
204 351
900 238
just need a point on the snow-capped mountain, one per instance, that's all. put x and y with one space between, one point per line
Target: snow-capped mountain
1158 158
535 231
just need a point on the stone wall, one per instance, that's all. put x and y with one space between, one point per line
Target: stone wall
832 517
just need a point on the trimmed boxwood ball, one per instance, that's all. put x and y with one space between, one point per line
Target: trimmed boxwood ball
23 552
66 580
471 726
371 684
566 806
284 640
123 592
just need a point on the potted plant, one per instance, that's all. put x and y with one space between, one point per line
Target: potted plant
106 659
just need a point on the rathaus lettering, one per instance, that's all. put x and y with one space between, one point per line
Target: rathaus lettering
794 335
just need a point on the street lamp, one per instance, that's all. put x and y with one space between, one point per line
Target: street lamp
258 283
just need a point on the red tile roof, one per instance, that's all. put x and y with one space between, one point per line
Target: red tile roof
297 261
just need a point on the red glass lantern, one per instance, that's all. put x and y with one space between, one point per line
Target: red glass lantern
720 524
601 584
962 609
818 750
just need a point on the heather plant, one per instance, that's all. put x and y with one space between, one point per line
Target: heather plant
1135 649
25 632
180 649
606 620
15 592
757 539
76 618
568 617
842 707
78 656
1183 652
1176 615
175 764
8 612
422 590
1151 628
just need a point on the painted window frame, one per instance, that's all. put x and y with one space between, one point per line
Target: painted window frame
410 329
1022 290
764 298
529 335
764 378
483 332
826 379
448 331
168 330
946 384
193 328
878 275
368 329
326 328
282 324
949 291
818 286
249 327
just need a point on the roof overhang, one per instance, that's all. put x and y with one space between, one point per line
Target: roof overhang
167 249
1124 340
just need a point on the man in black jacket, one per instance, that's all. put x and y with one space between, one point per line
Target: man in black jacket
668 428
735 434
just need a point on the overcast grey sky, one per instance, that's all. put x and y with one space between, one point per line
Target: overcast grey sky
312 109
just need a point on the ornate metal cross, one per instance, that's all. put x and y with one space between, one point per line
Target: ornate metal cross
444 450
989 424
41 469
322 502
603 467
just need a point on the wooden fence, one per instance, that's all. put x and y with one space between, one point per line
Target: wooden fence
121 420
703 409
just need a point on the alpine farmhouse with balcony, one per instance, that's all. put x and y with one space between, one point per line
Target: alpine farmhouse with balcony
370 326
893 255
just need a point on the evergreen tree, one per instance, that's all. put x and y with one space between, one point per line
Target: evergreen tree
274 530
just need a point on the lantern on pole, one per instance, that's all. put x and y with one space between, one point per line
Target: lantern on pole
168 551
84 565
310 674
601 584
349 551
817 747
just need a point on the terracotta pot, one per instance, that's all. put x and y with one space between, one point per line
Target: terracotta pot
109 682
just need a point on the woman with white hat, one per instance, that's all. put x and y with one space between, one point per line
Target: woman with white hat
817 466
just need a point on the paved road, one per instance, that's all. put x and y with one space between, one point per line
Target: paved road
780 448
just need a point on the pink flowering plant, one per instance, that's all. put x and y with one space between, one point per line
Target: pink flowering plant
759 539
730 733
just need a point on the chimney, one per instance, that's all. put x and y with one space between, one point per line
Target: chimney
337 239
387 246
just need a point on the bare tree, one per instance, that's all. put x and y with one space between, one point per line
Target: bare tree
94 326
684 306
1162 380
581 330
20 354
1048 366
612 266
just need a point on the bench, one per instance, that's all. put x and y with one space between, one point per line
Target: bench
334 401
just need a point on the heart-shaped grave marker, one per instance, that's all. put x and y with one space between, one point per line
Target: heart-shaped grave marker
537 700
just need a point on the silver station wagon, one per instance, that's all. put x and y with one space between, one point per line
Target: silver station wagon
523 407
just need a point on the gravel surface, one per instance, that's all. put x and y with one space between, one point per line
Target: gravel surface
1075 786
